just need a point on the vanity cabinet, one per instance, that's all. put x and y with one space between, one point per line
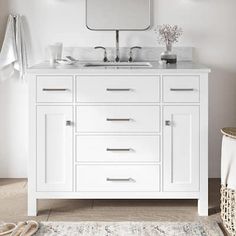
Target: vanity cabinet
118 134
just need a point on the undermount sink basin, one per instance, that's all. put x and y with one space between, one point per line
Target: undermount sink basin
118 64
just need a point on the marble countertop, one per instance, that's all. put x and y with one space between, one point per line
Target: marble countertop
79 67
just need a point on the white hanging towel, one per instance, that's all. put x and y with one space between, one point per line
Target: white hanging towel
13 53
228 162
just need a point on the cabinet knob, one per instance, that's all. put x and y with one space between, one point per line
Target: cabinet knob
168 123
68 123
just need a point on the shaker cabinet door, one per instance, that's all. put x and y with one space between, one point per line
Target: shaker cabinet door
181 148
54 148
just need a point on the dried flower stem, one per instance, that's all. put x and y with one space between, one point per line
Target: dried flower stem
168 34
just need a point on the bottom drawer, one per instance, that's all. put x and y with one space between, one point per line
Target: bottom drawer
112 178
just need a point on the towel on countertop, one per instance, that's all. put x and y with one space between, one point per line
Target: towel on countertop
13 53
228 162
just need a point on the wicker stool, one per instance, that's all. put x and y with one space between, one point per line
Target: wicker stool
228 196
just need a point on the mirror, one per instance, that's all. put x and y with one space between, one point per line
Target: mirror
118 14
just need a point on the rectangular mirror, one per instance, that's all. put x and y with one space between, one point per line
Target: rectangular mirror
118 14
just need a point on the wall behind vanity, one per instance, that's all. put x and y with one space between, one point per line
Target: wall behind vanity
209 27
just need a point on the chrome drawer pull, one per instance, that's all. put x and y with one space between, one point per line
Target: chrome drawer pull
55 89
120 89
120 180
118 149
181 89
125 119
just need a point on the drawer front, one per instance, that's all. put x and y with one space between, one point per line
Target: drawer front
118 89
114 178
181 88
119 119
117 148
54 89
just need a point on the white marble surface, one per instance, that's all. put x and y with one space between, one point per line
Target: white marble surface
156 67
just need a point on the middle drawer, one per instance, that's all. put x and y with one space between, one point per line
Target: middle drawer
118 119
117 148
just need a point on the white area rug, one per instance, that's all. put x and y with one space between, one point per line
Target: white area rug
129 229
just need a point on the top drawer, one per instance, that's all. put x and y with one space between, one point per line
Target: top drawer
121 89
54 88
179 88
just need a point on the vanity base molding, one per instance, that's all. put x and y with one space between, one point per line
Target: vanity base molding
118 136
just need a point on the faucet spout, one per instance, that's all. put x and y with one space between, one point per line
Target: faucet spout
117 59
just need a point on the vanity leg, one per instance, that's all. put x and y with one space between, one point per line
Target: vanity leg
32 206
203 206
203 173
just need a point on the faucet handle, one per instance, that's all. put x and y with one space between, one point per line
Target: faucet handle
131 52
135 47
105 59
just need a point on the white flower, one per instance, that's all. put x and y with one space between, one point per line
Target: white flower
168 34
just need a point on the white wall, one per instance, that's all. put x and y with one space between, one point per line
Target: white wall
209 26
13 118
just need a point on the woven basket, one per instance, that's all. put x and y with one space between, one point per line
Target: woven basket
228 209
229 132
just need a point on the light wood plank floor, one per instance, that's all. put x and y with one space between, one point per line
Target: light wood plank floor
13 207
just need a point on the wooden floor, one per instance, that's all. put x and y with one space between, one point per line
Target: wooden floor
13 202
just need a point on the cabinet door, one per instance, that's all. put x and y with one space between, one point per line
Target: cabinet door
54 148
181 148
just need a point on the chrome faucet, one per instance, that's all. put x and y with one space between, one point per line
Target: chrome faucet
117 59
117 49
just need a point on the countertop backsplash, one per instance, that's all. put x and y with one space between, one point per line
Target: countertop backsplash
145 54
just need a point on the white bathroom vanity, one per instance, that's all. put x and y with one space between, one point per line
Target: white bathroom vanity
118 133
